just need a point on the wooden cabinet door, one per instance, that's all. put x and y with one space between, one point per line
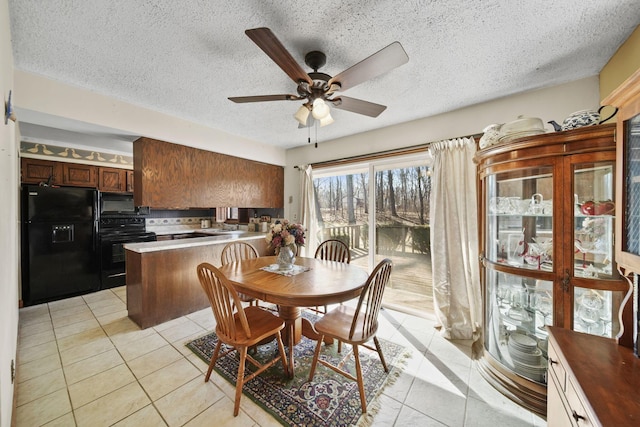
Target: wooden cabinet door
80 175
130 181
172 176
35 171
112 179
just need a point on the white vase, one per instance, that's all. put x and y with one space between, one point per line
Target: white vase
286 258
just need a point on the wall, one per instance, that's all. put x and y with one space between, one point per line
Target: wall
554 103
8 226
40 95
622 64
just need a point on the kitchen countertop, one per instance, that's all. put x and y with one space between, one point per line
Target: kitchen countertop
217 237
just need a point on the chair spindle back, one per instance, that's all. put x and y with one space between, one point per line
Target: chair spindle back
371 299
224 300
237 251
334 250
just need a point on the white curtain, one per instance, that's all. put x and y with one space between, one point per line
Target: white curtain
454 240
308 214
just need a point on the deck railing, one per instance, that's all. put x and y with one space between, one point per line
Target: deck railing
391 239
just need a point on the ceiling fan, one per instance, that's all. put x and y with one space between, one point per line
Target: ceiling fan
319 89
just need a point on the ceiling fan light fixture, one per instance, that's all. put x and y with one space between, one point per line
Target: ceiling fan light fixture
302 115
320 109
326 120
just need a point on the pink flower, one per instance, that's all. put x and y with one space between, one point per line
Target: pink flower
285 234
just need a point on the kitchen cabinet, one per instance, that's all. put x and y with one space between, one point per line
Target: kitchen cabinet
75 174
172 176
548 215
130 181
592 381
35 171
112 179
162 284
107 179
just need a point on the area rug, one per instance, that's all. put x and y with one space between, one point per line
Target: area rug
329 400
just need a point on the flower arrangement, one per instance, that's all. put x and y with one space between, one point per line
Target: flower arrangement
285 234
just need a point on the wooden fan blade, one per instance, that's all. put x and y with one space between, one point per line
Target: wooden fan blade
358 106
263 98
268 42
386 59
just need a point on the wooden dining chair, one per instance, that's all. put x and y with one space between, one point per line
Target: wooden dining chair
355 326
332 250
238 327
237 251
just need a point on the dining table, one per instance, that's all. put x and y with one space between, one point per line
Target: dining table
310 283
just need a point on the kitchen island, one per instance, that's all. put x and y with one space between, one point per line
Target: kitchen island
162 283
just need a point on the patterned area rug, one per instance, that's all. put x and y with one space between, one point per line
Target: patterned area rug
329 400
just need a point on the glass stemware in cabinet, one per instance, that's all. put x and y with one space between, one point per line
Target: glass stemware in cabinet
520 219
590 317
594 311
542 302
594 220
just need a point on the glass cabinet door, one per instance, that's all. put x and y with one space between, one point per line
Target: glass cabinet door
518 308
519 234
594 212
519 221
594 310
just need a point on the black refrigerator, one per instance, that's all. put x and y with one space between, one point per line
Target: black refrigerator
59 243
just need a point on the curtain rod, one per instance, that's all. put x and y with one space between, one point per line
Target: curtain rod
381 154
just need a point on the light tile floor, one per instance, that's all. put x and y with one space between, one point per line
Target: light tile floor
83 362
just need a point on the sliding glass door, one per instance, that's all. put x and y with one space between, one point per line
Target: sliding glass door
383 217
342 209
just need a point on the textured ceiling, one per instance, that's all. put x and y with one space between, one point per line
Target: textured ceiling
184 58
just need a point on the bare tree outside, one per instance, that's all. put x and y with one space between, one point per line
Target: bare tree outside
401 224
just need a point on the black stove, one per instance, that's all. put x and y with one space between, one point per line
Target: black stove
122 226
113 234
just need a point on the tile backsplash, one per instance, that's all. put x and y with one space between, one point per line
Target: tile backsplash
175 221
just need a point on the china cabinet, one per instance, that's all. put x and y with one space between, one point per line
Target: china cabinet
598 390
548 215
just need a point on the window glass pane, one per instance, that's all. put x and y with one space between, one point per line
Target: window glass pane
631 237
399 197
402 233
342 211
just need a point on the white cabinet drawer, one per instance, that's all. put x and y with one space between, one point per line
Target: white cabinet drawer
576 409
555 368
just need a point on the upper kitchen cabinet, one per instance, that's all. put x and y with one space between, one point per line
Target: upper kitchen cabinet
79 175
112 179
130 181
106 179
35 171
172 176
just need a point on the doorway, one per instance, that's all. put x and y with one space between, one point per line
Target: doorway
396 203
